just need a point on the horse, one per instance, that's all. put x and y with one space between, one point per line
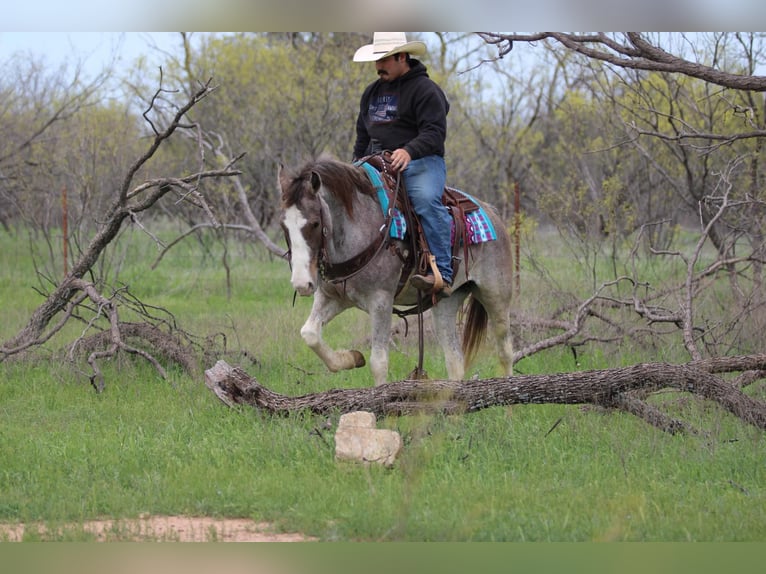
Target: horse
331 216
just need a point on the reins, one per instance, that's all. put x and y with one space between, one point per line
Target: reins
344 270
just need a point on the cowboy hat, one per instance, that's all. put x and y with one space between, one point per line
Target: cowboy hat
386 44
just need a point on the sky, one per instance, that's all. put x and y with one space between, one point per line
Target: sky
94 31
343 15
94 50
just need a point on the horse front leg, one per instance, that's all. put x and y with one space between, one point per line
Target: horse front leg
323 311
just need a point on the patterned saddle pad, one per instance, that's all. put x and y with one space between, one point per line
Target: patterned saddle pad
478 226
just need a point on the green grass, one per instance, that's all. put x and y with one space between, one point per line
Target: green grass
524 473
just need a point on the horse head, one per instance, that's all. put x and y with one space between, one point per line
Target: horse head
303 225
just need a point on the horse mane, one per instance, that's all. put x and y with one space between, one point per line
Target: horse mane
340 179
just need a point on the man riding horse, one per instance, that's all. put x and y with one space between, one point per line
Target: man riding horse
335 225
404 111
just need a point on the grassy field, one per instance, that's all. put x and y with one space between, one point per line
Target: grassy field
148 446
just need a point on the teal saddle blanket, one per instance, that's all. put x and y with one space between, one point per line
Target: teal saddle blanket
478 226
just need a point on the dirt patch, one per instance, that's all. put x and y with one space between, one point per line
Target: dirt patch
159 528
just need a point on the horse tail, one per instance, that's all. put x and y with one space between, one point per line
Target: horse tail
474 329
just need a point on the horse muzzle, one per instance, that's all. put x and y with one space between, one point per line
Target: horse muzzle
305 290
304 281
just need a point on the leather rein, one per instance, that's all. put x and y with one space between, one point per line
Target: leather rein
344 270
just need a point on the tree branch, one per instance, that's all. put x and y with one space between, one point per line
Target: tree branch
608 387
635 52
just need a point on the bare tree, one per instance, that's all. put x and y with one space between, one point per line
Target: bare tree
631 307
128 203
689 105
33 103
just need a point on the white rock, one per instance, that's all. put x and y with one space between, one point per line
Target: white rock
357 439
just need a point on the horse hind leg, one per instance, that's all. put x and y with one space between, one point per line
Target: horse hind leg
445 322
499 310
322 312
504 340
490 310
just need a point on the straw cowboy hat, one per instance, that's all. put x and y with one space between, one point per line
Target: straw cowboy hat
386 44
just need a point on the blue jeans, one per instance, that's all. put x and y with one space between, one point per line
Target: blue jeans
425 179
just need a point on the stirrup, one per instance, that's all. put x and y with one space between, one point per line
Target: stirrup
427 283
438 279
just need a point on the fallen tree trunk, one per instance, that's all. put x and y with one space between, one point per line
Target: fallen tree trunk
620 388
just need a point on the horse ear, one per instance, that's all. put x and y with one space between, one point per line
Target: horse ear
316 181
282 180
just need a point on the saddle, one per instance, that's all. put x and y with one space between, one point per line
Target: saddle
419 259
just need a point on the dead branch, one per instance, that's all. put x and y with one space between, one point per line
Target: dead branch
631 50
117 343
165 343
218 145
619 388
570 328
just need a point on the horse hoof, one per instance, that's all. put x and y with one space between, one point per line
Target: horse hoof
358 359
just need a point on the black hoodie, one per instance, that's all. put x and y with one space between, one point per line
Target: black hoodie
410 112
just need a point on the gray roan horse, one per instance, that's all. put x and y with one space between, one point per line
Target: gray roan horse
330 214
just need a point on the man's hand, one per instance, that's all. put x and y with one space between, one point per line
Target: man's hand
400 159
